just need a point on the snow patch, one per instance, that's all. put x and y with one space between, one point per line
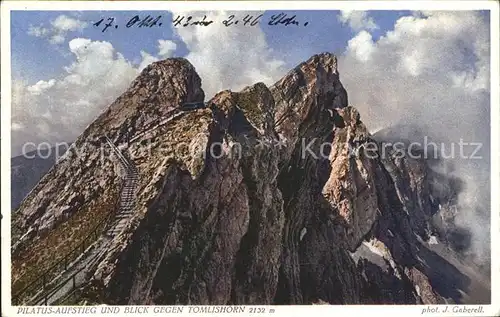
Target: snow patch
373 249
433 240
419 239
303 233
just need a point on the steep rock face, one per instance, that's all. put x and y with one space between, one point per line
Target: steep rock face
243 175
351 185
83 186
314 263
212 238
269 196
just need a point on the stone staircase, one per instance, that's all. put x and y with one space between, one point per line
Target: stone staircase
172 116
73 275
127 195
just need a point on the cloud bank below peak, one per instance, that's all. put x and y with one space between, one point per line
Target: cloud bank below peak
432 72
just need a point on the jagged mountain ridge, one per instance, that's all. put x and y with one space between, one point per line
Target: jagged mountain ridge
257 225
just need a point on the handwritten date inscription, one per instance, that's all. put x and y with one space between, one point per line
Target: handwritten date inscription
281 19
278 19
136 21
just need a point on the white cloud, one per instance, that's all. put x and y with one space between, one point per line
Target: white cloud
59 27
166 48
441 58
225 58
37 31
361 46
431 71
16 126
58 110
146 60
357 20
57 39
64 23
41 86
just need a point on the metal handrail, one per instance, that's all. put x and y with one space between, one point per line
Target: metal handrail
65 259
158 124
74 287
171 115
54 290
82 245
123 159
62 299
92 236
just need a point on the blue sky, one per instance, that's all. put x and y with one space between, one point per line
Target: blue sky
35 58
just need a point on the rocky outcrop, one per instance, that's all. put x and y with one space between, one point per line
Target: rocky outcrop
267 196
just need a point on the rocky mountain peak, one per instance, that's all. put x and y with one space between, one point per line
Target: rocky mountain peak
158 90
232 201
306 92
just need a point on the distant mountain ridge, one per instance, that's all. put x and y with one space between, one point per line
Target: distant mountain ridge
28 169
